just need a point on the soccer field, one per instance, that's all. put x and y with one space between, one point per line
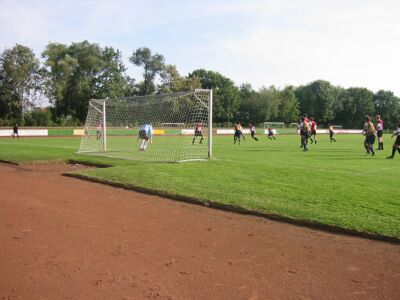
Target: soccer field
334 183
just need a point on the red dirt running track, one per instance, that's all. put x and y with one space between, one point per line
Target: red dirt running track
64 238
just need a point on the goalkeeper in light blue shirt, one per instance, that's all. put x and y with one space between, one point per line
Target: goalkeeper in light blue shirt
146 135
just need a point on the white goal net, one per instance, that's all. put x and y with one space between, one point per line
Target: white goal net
178 127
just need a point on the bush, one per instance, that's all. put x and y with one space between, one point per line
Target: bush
38 118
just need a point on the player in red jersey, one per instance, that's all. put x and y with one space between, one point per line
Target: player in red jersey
197 132
313 130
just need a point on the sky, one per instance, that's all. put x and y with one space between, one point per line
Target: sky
350 43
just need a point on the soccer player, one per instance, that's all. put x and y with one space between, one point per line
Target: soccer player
379 131
313 129
253 131
15 131
238 133
99 130
146 135
270 134
396 145
197 132
304 133
331 133
369 132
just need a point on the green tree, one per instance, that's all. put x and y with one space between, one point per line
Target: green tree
111 80
387 105
357 103
172 81
289 106
19 80
226 96
152 65
318 98
82 71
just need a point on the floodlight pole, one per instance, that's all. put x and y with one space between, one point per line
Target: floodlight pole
210 127
104 126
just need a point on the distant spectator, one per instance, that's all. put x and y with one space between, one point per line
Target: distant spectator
15 131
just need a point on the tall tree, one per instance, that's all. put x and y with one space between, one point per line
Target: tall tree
318 98
388 106
357 103
82 71
152 65
19 80
111 80
289 106
172 81
226 97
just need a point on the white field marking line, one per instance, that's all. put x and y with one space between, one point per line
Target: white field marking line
38 145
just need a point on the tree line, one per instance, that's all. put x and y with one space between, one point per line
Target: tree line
69 75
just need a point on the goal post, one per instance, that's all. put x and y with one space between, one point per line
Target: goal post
274 125
112 127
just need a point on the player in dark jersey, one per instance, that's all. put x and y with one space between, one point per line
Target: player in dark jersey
198 132
331 133
396 145
271 134
15 131
304 133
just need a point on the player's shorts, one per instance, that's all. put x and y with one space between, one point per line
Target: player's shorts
252 134
313 132
15 131
306 134
143 135
397 142
238 133
270 133
370 139
198 133
379 133
331 133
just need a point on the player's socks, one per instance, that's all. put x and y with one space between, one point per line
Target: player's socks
371 148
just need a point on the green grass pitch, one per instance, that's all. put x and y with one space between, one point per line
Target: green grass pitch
333 183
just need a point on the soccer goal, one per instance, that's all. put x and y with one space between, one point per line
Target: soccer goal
274 125
112 127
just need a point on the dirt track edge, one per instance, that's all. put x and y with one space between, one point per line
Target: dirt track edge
241 210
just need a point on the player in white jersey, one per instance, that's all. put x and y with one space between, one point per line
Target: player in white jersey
253 131
396 145
379 131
